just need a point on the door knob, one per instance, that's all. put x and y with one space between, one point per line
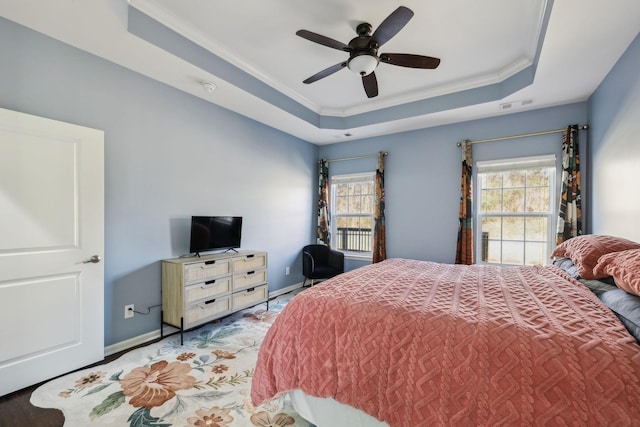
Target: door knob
94 259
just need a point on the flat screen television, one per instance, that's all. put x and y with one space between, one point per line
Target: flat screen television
210 233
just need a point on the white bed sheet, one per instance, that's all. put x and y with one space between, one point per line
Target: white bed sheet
329 413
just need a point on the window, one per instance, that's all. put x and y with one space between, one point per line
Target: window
352 207
516 210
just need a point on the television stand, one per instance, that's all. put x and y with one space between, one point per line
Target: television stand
197 254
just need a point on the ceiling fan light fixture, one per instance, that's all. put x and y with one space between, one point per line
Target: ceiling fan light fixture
363 51
363 65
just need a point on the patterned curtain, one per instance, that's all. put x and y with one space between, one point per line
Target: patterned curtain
570 211
324 218
464 247
379 231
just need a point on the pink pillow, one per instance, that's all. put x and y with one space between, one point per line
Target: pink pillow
624 267
585 251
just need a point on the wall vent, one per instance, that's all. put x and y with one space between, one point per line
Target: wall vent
515 104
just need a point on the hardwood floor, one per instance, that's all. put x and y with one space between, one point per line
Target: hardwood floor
17 411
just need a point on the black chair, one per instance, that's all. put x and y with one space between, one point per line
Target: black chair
320 262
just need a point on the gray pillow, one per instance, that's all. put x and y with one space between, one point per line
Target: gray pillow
597 286
567 265
626 306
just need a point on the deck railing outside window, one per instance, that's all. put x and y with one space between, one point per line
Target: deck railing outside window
354 239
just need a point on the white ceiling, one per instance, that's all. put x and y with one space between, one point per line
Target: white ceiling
492 51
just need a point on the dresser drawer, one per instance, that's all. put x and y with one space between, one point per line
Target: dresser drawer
249 279
207 290
249 297
250 262
199 313
206 270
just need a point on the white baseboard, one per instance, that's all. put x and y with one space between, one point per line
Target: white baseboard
150 336
135 341
285 290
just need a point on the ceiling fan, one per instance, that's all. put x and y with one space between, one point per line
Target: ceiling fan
363 51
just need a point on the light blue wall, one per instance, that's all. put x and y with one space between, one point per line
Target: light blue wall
422 173
168 155
614 111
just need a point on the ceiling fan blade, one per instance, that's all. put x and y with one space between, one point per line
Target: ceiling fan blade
326 72
409 60
323 40
370 85
391 25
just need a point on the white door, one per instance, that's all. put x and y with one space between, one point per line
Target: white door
51 224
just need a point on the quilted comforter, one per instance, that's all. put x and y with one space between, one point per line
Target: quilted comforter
416 343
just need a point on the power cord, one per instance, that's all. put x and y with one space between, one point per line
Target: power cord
148 309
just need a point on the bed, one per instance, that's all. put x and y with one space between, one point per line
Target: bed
416 343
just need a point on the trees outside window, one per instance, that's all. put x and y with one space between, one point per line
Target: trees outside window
516 210
352 208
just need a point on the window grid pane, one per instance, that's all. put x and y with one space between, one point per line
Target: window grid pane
535 253
515 215
353 215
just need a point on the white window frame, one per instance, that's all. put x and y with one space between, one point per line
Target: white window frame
344 179
513 164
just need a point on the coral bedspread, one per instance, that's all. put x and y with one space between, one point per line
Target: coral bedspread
417 343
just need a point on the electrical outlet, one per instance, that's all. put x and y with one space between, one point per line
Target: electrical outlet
128 311
286 271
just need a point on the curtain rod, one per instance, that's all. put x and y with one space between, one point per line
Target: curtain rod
356 157
524 135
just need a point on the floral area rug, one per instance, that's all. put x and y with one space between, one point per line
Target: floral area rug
205 382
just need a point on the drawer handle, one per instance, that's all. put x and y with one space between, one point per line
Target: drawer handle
210 262
210 282
251 290
210 301
250 256
250 273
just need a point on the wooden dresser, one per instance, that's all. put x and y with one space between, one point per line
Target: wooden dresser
196 290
